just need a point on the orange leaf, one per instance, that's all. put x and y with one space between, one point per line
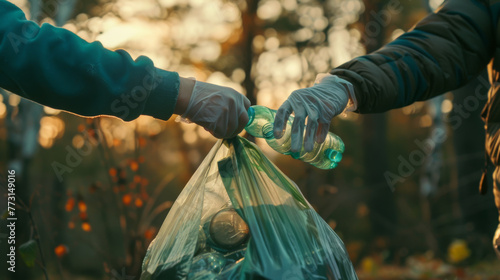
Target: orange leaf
61 250
81 128
137 179
363 210
168 204
138 202
116 142
144 182
332 224
70 204
83 216
134 166
142 142
150 233
127 198
82 206
71 225
86 227
112 172
141 159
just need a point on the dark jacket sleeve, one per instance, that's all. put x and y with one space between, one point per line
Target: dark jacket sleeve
442 52
56 68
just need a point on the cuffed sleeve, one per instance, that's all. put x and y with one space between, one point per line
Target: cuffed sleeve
162 100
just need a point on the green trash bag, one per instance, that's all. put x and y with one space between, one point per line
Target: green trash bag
240 217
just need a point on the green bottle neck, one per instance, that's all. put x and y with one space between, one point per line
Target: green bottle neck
251 115
260 122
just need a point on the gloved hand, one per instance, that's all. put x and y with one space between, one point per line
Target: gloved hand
220 110
319 103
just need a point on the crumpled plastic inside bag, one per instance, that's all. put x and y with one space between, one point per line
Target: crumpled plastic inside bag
240 217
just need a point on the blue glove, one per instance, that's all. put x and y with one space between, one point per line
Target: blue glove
222 111
319 104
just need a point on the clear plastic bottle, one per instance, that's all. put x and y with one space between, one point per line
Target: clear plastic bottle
326 155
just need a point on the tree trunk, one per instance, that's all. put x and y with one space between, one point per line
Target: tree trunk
379 196
249 26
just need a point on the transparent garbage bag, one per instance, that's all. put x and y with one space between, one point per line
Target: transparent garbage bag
240 217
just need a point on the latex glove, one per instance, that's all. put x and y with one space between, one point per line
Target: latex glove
220 110
319 104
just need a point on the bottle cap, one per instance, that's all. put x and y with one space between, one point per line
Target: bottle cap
251 115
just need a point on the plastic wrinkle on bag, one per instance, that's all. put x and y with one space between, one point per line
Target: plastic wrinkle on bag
240 217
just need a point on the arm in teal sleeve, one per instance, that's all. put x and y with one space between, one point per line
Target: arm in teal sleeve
56 68
443 52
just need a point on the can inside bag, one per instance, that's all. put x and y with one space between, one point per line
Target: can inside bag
240 217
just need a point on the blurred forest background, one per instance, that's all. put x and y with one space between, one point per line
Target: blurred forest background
95 191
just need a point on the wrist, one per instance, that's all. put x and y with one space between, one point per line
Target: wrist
186 86
352 104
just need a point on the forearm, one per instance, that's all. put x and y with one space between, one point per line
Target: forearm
443 52
54 67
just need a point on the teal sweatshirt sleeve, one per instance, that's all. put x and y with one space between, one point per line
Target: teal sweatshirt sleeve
54 67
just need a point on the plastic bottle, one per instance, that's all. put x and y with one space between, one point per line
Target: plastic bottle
326 155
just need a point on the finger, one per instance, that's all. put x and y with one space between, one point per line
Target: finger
311 128
246 102
232 127
281 118
298 131
219 133
220 125
240 118
216 130
229 131
242 122
322 132
228 122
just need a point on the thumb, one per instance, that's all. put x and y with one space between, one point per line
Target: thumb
281 118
